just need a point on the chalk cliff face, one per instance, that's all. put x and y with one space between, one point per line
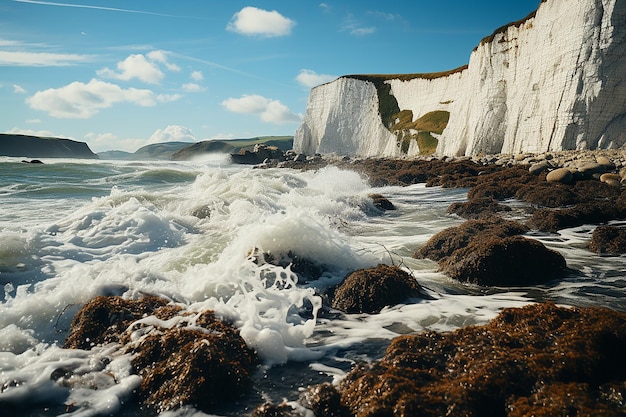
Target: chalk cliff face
555 80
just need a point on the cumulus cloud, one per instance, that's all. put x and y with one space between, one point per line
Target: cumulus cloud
81 101
100 142
197 76
161 56
253 21
17 89
271 111
309 78
134 66
193 88
172 133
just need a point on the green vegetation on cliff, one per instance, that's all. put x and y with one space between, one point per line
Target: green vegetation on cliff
400 122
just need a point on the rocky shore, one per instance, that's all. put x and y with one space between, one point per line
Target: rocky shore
538 360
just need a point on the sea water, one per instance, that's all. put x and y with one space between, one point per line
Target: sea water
71 230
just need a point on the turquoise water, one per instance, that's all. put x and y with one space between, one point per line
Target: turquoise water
71 230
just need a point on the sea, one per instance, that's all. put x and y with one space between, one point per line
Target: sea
71 230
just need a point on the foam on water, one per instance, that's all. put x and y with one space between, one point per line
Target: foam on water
195 234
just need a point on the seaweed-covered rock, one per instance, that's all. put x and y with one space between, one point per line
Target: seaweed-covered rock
105 319
446 242
539 358
552 220
203 368
509 261
325 401
369 290
491 252
271 410
381 202
477 208
609 240
200 361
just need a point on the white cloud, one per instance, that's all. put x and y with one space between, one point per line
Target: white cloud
271 111
355 27
40 59
81 101
100 142
172 133
193 88
197 76
223 136
253 21
161 56
168 98
134 66
309 78
33 121
17 89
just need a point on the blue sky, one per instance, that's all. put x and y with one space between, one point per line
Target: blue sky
122 74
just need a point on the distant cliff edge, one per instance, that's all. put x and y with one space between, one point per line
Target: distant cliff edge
555 80
39 147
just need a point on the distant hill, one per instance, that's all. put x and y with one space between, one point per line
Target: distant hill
284 143
182 151
26 146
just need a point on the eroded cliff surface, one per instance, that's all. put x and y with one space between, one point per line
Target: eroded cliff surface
552 81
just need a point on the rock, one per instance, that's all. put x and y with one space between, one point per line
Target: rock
562 175
300 157
271 410
369 290
605 162
614 180
446 242
325 401
258 155
584 213
381 202
509 261
203 212
477 208
202 361
104 319
548 194
182 366
539 168
539 360
590 169
609 240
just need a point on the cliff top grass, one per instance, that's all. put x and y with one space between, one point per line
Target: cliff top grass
378 78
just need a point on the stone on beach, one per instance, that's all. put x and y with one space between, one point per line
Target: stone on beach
609 240
202 361
536 360
369 290
562 175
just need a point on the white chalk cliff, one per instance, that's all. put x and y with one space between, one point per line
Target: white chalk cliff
555 80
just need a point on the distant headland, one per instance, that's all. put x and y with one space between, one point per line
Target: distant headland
26 146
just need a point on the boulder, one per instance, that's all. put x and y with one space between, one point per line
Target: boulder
553 220
609 240
477 208
562 175
202 362
539 360
446 242
509 261
381 202
369 290
184 366
539 168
